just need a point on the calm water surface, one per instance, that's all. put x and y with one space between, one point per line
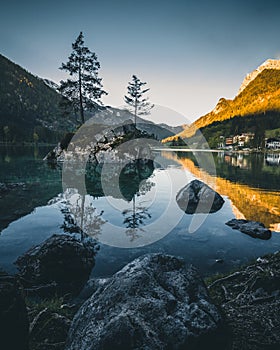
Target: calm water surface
141 215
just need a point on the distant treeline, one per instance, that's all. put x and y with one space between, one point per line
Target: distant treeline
15 133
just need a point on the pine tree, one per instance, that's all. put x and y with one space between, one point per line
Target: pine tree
138 105
84 89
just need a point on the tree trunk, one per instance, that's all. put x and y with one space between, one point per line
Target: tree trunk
81 98
135 112
82 217
134 214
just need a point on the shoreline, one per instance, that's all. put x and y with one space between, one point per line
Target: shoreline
181 149
245 297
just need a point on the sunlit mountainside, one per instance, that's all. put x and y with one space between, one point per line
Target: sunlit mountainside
258 94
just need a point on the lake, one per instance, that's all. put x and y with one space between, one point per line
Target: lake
131 211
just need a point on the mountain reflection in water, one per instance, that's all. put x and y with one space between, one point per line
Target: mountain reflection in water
258 203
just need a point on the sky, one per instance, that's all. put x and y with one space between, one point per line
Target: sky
190 53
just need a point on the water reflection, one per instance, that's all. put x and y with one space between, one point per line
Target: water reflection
258 203
272 159
248 161
134 219
142 209
31 183
134 182
80 214
80 211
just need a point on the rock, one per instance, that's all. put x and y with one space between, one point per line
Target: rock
7 187
60 265
58 153
100 144
129 127
219 261
3 187
197 197
90 287
154 302
13 315
54 155
48 330
252 228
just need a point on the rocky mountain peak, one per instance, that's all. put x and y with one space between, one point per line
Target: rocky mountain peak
221 105
268 64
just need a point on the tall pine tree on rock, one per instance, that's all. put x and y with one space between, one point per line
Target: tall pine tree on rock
138 105
84 89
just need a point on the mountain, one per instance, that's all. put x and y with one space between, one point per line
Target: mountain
162 114
268 64
259 94
113 116
29 105
51 84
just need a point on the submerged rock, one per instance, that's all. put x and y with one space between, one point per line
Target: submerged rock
252 228
197 197
8 187
13 315
154 302
60 265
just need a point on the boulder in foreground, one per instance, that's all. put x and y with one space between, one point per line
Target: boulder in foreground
154 302
197 197
60 265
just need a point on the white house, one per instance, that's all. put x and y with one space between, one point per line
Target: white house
273 143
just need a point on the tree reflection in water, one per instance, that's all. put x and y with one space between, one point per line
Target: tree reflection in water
134 219
134 183
80 214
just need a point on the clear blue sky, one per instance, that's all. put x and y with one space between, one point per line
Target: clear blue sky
191 53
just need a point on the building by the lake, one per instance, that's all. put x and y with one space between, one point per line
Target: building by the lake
241 140
272 143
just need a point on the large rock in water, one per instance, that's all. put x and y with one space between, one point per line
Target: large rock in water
154 302
197 197
14 322
60 265
252 228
